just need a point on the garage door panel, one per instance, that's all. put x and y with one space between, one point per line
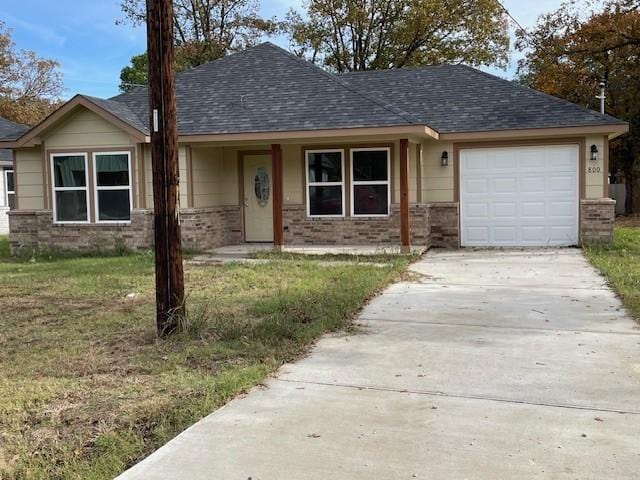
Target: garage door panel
477 185
477 235
477 211
524 196
533 210
505 185
564 183
504 210
532 184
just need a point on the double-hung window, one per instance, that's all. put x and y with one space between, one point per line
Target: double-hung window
325 183
69 177
112 186
10 189
370 174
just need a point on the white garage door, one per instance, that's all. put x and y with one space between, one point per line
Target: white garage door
519 196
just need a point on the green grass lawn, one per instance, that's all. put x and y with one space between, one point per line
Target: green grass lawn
620 264
86 389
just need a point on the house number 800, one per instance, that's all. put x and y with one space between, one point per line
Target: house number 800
594 170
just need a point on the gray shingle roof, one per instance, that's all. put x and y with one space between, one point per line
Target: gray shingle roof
457 98
10 130
267 89
121 110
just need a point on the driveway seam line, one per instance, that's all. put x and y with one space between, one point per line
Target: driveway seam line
455 395
435 324
601 288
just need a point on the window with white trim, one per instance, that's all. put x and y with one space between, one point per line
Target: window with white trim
69 177
9 183
370 174
325 183
112 186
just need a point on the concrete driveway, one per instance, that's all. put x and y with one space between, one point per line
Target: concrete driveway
489 365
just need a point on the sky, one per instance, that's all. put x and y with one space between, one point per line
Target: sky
83 37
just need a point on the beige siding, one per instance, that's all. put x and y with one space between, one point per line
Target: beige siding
215 176
437 181
292 172
84 129
594 170
29 179
182 173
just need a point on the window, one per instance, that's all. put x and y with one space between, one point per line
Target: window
370 174
325 183
112 186
69 178
11 189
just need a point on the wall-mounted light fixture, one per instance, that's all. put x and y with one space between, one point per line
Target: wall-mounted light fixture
594 153
444 159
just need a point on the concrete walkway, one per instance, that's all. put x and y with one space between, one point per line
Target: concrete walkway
490 365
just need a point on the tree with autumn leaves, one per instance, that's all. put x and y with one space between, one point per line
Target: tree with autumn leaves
30 86
571 50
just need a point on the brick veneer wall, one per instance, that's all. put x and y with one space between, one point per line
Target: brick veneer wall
444 224
35 230
302 230
597 217
208 228
202 228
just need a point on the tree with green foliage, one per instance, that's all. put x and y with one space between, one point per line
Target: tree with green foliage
352 35
570 50
204 30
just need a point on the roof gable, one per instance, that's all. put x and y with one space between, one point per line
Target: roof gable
457 98
266 89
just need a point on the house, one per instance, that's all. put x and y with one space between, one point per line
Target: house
8 129
275 149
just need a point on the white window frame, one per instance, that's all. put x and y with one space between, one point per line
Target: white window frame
324 184
386 182
55 189
8 192
97 188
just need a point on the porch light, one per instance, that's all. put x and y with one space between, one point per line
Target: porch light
444 159
594 153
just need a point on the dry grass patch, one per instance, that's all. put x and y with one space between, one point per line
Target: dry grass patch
86 388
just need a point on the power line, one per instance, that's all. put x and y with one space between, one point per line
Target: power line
513 19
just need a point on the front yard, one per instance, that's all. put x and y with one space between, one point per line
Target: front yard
86 388
620 264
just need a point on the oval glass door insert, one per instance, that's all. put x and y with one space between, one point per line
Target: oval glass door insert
262 186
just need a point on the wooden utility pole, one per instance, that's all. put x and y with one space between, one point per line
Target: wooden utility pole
164 157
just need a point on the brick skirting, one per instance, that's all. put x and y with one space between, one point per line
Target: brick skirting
444 224
597 217
302 230
202 228
208 228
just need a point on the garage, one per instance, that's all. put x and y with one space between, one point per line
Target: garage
519 196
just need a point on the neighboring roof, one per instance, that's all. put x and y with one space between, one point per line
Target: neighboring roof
10 130
266 89
457 98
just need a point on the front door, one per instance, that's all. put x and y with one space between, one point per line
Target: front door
258 194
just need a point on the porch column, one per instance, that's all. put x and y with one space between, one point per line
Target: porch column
405 237
276 166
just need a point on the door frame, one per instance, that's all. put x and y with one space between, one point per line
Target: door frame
580 142
241 155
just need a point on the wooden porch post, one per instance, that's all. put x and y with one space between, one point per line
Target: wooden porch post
276 166
405 237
